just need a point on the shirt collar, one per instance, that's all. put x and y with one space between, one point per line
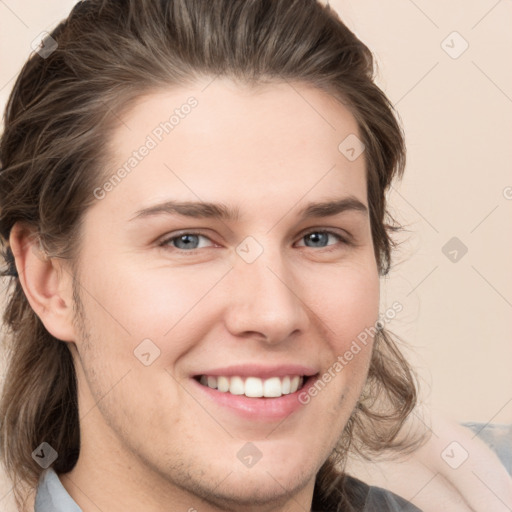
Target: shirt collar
51 495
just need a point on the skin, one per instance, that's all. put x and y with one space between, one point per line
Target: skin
148 437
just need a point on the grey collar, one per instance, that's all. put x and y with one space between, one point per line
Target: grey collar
52 496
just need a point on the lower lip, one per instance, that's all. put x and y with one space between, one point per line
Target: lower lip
257 409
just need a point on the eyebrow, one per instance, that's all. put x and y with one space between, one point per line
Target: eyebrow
207 210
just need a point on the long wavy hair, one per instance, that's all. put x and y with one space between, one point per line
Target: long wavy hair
54 149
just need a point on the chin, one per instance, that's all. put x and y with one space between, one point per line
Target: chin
271 477
258 487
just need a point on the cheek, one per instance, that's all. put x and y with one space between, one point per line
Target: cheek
138 303
131 302
348 304
349 311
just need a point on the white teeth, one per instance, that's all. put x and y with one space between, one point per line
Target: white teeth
294 384
254 387
285 385
236 386
272 387
223 384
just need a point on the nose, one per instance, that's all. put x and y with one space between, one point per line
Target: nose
265 300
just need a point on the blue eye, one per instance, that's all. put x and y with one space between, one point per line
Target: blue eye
189 242
320 238
185 241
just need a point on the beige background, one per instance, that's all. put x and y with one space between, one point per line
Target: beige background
457 115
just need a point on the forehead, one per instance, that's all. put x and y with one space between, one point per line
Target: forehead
224 141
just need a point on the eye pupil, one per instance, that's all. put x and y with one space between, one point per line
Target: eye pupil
318 237
187 240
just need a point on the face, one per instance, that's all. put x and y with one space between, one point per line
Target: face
191 313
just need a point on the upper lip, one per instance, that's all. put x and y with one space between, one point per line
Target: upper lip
261 371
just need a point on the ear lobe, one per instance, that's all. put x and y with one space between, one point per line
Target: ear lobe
47 285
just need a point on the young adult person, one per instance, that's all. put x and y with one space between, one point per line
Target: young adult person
193 213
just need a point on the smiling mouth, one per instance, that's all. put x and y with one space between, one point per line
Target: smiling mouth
254 387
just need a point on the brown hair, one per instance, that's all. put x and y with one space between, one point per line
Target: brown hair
58 119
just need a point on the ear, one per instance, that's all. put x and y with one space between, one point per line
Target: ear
45 281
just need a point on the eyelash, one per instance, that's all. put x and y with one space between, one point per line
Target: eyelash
166 243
